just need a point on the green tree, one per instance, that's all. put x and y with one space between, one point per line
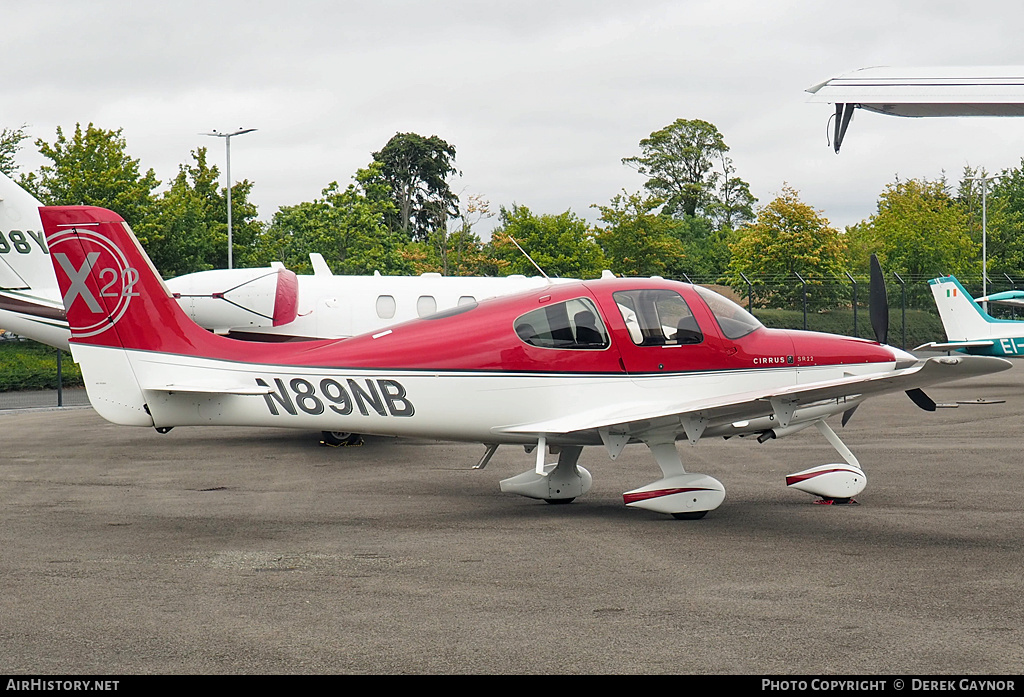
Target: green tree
680 163
919 232
348 226
455 250
734 204
1004 219
10 144
92 168
416 171
637 241
192 232
788 238
562 245
706 250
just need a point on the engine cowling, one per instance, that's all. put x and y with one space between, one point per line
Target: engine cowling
226 299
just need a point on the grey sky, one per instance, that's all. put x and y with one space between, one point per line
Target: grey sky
541 99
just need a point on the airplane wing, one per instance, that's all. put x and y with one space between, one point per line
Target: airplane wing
759 403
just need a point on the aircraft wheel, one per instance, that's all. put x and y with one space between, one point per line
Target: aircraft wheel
337 439
558 501
693 515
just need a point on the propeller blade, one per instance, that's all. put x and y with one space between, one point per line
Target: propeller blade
878 303
848 414
922 400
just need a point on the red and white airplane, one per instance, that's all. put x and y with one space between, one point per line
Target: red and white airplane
603 363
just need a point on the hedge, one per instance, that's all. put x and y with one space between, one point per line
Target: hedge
27 365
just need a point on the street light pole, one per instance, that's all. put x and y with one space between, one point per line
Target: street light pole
984 233
227 147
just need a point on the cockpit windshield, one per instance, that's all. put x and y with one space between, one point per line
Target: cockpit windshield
733 319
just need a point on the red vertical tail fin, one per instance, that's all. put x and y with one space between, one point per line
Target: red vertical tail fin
112 293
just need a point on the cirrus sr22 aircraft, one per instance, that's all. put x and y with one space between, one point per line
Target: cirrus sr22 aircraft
595 363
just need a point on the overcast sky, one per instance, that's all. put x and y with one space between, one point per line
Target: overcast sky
542 99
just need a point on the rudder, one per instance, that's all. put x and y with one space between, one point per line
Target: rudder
962 318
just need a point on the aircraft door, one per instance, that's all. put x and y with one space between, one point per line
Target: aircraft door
662 335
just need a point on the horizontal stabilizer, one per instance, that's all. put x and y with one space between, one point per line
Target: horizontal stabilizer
211 389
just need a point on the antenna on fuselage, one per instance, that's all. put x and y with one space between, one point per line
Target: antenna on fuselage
529 257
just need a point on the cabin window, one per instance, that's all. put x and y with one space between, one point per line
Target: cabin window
658 318
385 306
425 305
733 319
574 324
467 300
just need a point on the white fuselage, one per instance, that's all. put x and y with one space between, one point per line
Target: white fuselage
452 405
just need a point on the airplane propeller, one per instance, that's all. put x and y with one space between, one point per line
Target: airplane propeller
878 302
878 309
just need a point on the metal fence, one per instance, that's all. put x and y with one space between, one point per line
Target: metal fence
61 396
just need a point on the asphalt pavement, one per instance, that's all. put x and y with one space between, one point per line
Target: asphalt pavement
242 551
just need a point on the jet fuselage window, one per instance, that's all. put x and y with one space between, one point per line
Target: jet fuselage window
733 319
574 324
385 306
658 318
467 300
425 306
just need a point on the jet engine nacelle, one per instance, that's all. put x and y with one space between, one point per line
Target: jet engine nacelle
842 481
227 299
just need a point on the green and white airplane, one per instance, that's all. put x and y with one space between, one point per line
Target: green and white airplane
969 328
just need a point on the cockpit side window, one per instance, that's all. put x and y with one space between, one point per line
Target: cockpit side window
574 324
733 319
658 318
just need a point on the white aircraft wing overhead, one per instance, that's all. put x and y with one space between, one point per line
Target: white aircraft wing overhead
637 418
937 91
923 92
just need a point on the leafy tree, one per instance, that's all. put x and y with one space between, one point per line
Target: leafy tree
348 226
416 170
706 250
455 251
680 160
10 144
192 233
562 245
1004 219
636 241
789 237
734 204
92 168
919 232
